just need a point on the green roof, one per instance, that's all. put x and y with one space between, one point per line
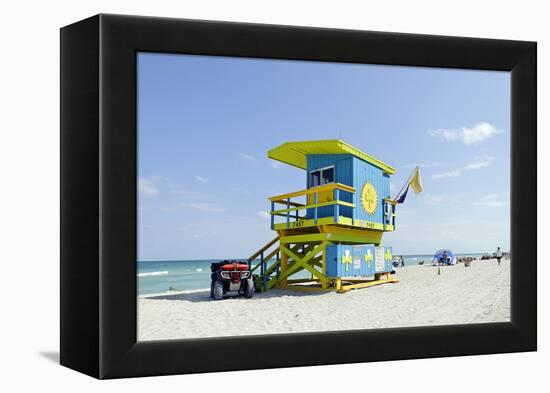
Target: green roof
295 153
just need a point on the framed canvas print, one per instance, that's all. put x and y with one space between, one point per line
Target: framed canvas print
238 196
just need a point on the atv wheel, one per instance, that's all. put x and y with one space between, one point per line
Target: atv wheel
218 290
212 289
249 288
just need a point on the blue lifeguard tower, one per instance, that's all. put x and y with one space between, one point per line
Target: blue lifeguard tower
333 228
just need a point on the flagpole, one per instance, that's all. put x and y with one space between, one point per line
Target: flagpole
407 182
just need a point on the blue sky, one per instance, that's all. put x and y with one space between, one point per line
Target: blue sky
205 125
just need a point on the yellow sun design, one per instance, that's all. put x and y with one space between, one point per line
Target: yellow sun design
369 198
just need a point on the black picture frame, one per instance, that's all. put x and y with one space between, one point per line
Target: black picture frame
98 195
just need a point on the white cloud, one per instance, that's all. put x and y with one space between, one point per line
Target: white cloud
488 197
275 164
442 175
147 187
263 214
432 199
477 165
247 157
189 194
472 166
203 206
490 203
478 133
491 200
201 179
438 199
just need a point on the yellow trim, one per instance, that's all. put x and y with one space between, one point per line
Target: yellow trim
264 248
295 153
366 284
300 262
303 223
299 280
330 220
362 237
325 187
293 209
308 288
284 268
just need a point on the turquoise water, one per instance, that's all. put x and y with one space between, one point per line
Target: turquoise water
164 276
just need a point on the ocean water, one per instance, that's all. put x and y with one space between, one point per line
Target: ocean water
189 275
164 276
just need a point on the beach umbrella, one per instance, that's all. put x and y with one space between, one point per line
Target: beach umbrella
439 255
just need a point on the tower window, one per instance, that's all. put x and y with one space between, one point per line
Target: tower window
321 176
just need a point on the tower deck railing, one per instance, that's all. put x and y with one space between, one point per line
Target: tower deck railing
293 211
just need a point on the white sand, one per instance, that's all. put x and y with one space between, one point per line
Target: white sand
477 294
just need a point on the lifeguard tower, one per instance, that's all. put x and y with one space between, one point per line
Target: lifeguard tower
331 230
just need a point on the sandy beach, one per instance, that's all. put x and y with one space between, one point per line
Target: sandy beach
460 295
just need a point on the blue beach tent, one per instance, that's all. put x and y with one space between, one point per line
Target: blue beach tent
438 257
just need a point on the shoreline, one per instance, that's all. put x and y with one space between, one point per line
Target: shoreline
169 293
186 291
459 295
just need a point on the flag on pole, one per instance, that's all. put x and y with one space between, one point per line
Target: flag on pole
401 199
416 182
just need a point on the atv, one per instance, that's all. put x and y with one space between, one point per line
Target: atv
231 277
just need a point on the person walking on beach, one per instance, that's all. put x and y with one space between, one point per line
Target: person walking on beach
402 261
498 255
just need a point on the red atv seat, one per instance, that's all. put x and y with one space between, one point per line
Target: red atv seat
234 266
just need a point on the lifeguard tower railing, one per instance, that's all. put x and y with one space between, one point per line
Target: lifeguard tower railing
305 231
268 264
295 215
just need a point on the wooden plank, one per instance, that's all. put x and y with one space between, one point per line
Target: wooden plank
325 187
299 261
303 207
345 288
257 253
308 288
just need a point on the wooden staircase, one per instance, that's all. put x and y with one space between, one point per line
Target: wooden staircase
266 276
267 273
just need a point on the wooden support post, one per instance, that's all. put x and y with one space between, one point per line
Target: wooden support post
272 215
324 267
287 212
264 276
284 266
302 262
315 208
278 264
384 214
336 206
